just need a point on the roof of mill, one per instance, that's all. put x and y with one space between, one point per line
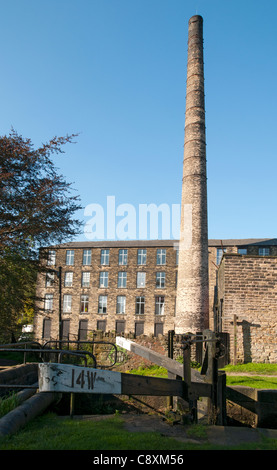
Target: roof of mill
165 243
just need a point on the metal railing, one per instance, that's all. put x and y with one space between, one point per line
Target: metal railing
111 352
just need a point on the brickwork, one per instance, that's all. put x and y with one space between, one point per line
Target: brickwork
247 288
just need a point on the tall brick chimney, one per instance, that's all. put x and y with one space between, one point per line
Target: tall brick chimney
192 303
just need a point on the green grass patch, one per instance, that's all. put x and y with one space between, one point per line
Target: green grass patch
259 381
8 403
252 368
151 371
252 381
50 432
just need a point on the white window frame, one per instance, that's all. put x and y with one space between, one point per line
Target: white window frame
67 303
123 257
69 258
51 258
105 257
87 257
48 302
122 280
142 254
85 281
102 304
121 304
140 305
159 305
104 279
160 280
141 279
161 256
84 303
68 279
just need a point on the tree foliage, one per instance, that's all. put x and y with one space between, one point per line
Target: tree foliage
35 201
37 209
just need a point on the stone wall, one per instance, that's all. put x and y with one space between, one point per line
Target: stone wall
149 319
247 288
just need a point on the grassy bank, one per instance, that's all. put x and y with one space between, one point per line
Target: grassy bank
250 375
50 432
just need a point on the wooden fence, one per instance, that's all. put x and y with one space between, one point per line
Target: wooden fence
183 382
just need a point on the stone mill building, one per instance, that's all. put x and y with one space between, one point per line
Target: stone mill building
148 287
130 286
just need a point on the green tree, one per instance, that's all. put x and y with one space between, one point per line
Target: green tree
37 209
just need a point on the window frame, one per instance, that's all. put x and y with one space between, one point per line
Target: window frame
69 257
242 249
159 305
141 256
87 257
123 257
219 254
104 275
67 305
84 303
49 279
51 258
121 304
141 274
83 284
122 280
66 274
160 280
102 304
161 256
104 256
264 251
140 305
48 302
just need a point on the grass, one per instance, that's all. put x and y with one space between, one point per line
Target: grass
251 367
50 432
8 403
260 375
259 381
151 371
252 381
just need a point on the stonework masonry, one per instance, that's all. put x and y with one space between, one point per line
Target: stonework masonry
239 284
192 308
147 309
247 288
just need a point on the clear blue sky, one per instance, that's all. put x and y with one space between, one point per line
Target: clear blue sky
115 72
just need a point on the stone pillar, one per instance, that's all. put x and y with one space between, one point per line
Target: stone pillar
192 303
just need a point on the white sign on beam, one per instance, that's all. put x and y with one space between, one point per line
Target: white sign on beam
76 379
123 343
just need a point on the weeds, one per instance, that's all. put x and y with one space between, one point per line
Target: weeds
8 403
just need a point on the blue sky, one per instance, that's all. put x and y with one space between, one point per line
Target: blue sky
114 71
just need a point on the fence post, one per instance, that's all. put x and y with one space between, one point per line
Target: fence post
221 399
186 346
170 355
235 340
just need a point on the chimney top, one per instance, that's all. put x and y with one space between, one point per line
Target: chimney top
195 18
